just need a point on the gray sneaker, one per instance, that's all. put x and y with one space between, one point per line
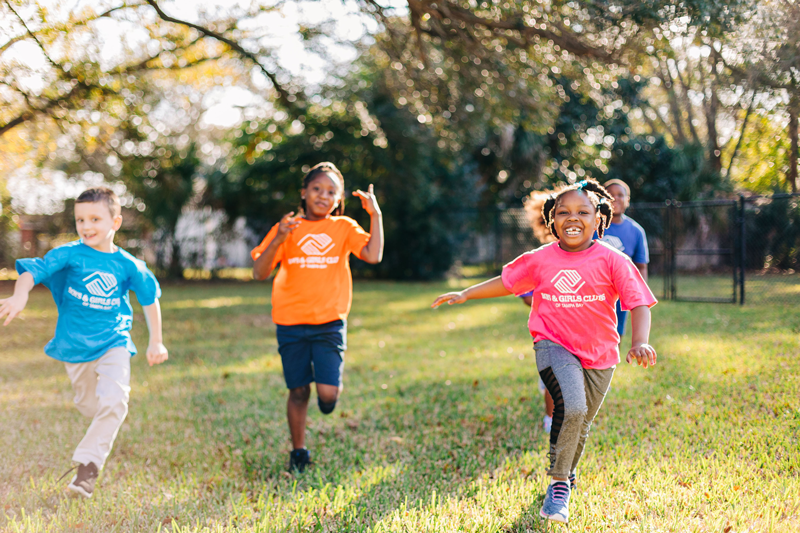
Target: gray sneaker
83 482
556 502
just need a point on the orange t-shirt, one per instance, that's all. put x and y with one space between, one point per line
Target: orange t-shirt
314 284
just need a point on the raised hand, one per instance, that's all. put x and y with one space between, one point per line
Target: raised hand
368 200
450 298
644 354
287 225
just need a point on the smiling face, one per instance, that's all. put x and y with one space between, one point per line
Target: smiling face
575 220
322 196
96 225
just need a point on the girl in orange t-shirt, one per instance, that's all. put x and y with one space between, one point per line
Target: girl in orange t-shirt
313 290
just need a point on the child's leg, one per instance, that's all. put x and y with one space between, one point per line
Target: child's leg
102 389
563 376
296 413
328 345
596 385
295 350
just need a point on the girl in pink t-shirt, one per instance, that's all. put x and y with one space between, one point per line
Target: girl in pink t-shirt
575 282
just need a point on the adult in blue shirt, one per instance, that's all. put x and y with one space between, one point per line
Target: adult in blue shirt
627 236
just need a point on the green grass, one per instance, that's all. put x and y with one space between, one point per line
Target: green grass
438 429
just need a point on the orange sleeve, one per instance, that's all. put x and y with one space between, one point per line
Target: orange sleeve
256 252
357 238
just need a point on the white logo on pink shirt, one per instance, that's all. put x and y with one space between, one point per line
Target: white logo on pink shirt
316 244
566 281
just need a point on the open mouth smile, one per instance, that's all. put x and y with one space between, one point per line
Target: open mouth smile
573 231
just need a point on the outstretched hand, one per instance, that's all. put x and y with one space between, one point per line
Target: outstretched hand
450 298
13 306
644 354
368 200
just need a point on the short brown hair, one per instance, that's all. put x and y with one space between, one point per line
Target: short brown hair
101 194
620 183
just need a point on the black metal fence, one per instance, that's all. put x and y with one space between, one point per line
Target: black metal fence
725 251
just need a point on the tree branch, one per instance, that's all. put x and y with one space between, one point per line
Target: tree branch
283 94
741 135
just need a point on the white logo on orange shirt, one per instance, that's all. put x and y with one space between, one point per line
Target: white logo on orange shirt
566 281
319 244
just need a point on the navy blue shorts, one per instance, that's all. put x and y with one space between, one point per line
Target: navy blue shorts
311 352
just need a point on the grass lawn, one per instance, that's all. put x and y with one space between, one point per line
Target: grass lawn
438 430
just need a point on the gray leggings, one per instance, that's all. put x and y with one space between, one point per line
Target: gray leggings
577 395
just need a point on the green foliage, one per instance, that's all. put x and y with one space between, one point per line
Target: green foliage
773 233
165 185
424 192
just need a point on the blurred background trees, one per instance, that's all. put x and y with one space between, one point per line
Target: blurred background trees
449 107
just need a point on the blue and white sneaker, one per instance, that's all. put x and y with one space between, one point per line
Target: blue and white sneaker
556 502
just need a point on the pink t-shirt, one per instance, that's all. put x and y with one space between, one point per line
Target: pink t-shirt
574 295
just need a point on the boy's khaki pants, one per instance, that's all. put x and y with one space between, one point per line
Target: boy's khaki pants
102 388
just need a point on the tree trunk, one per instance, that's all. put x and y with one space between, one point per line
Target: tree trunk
175 269
791 176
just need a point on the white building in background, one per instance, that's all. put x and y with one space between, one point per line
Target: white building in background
207 244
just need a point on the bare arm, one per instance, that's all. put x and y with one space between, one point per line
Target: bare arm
13 306
372 252
263 265
642 269
492 288
156 351
644 354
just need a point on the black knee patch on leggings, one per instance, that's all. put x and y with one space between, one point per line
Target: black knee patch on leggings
326 408
550 381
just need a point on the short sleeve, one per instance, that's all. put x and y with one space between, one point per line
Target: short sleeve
357 238
42 269
631 287
641 253
517 276
144 283
256 252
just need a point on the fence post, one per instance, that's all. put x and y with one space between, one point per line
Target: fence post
498 232
742 250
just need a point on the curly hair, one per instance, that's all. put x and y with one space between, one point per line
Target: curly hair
598 196
316 170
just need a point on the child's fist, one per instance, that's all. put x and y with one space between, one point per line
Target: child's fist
368 200
644 354
11 307
156 353
450 298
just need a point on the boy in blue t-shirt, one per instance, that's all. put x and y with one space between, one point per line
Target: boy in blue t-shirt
627 236
89 280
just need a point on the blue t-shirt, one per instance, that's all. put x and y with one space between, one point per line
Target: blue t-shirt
90 289
628 237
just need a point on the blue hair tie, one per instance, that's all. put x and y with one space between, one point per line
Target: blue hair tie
582 184
601 201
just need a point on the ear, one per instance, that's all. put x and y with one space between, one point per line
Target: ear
117 222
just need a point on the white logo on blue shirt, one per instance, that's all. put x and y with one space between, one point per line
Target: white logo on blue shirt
101 284
614 241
